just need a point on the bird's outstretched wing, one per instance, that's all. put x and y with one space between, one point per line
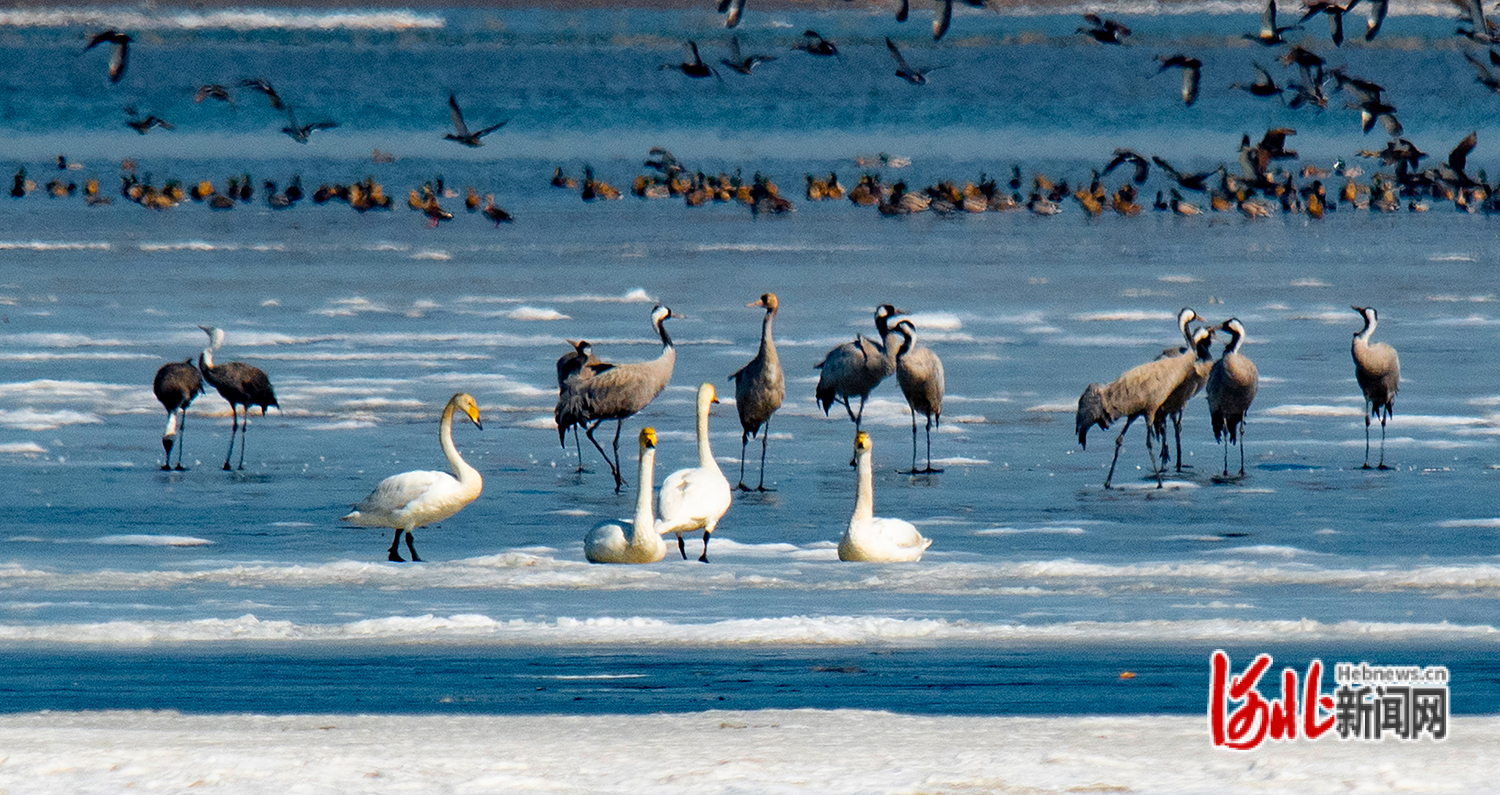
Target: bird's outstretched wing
457 116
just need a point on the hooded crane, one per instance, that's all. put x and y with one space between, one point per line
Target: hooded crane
759 388
855 368
238 383
574 370
1138 392
419 498
617 391
175 385
920 373
1377 368
1232 384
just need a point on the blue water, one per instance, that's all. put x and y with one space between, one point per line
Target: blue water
366 324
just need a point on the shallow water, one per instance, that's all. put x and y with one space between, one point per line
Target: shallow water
366 324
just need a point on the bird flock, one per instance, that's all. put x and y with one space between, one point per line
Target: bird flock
592 391
1260 187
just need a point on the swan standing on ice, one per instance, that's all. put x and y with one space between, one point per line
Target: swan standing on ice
639 542
414 499
875 539
697 497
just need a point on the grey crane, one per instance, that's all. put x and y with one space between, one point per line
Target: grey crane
1232 383
617 391
574 370
920 373
1138 392
175 385
1377 368
759 388
855 368
238 383
1177 402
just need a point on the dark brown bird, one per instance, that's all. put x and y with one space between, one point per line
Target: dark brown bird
694 68
238 383
119 58
175 385
759 388
574 370
1192 71
1264 85
1269 34
1231 388
814 44
461 132
1104 31
264 87
1377 368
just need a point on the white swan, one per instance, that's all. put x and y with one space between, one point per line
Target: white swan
413 499
698 497
616 542
873 539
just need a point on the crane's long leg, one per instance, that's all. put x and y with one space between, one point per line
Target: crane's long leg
410 546
913 440
1177 429
244 433
744 442
1119 442
765 441
1242 448
394 553
929 468
619 480
1382 445
1156 469
1226 455
1367 435
181 435
590 433
234 426
578 450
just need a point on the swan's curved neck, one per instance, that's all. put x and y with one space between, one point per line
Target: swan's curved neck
705 452
864 494
466 474
644 525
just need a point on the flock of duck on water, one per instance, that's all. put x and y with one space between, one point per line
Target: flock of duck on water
592 391
1258 190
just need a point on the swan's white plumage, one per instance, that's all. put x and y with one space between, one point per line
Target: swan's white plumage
695 498
871 538
637 542
414 499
